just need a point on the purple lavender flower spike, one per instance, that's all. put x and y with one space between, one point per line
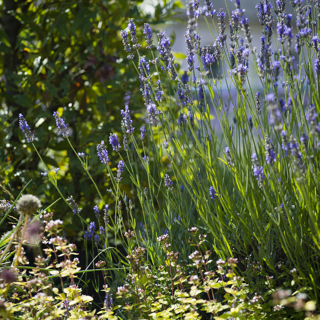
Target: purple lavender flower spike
148 36
102 153
73 205
257 170
185 78
168 182
127 120
152 110
182 119
159 91
114 141
270 153
212 193
90 231
25 128
119 170
270 97
61 125
143 132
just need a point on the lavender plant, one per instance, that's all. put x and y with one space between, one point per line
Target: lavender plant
254 187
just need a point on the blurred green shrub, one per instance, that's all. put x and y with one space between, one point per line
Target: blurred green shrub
65 56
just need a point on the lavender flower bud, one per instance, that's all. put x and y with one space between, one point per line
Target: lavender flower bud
119 171
106 215
102 153
168 182
73 205
258 104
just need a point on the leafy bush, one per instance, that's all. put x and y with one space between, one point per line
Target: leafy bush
65 57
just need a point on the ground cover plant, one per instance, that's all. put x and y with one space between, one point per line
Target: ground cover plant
222 221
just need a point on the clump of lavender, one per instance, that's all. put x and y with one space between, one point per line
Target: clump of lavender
114 141
102 153
63 130
120 168
25 128
73 205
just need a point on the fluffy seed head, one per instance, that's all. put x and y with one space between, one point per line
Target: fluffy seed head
28 204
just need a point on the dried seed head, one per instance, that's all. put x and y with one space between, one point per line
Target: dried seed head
28 204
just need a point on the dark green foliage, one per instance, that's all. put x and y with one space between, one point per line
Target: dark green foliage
65 56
